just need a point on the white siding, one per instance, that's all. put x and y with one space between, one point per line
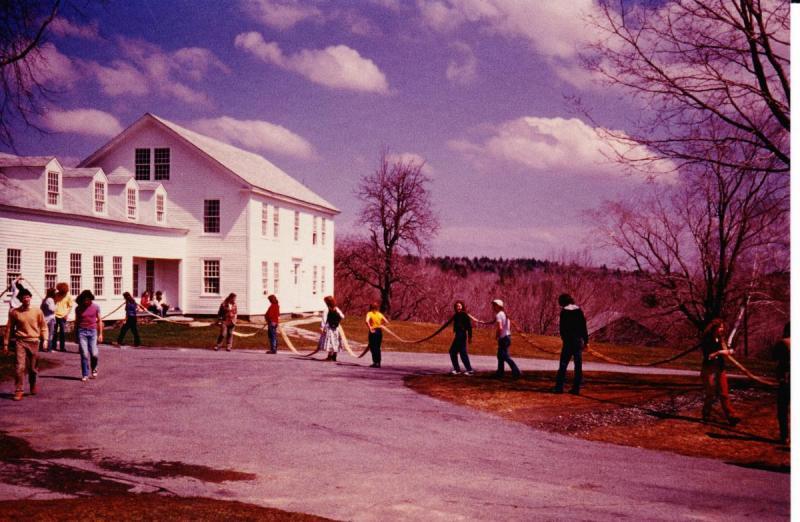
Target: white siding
25 232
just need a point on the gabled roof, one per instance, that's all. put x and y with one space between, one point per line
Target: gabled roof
89 172
253 169
10 160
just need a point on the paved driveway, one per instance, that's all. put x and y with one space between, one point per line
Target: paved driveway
349 442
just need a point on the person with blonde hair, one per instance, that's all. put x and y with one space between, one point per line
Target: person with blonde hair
64 303
330 339
502 326
227 315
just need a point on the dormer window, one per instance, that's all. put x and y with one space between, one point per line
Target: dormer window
162 164
99 197
142 164
161 208
53 189
132 200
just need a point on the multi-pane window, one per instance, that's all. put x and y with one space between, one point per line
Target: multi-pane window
211 216
116 265
161 157
264 219
265 277
314 280
275 222
296 273
53 188
323 234
13 265
75 273
100 197
275 277
135 276
50 269
142 164
296 225
211 276
150 276
322 280
99 279
131 202
314 232
160 208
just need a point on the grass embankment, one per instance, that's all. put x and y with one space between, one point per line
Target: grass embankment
657 412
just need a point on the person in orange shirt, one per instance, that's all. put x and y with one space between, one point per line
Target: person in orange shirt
273 317
375 321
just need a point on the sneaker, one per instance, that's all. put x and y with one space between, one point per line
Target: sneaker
84 379
573 391
34 389
557 390
455 372
733 421
94 374
18 396
228 349
469 372
216 348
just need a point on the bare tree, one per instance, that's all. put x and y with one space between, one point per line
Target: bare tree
23 27
700 241
697 65
399 221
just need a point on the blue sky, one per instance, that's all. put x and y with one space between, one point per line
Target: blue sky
481 90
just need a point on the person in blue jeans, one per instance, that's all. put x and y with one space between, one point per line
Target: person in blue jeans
503 333
131 308
89 325
575 338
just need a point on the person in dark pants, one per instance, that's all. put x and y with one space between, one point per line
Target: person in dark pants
273 317
375 321
575 338
503 333
131 307
462 327
780 354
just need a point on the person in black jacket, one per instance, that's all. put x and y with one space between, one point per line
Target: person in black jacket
575 336
462 327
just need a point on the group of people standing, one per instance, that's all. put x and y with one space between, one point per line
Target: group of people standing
35 329
44 329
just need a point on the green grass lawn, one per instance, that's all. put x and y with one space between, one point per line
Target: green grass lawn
163 334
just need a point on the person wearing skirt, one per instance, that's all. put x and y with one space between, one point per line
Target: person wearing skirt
330 339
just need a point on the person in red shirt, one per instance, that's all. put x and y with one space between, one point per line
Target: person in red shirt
272 317
89 327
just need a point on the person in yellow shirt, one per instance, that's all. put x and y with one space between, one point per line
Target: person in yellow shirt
375 321
64 303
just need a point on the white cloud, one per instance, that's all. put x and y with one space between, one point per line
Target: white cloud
337 67
90 122
555 145
52 68
146 68
464 69
411 157
280 14
556 29
256 135
64 28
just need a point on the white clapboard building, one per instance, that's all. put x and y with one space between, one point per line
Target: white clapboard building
160 207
